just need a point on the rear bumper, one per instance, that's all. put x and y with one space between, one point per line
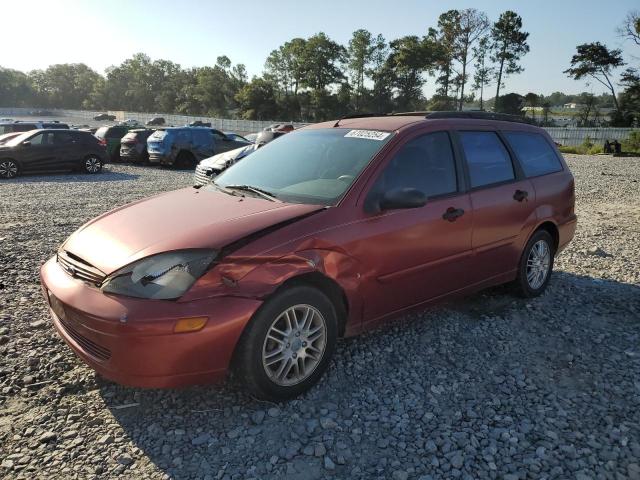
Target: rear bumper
131 341
161 159
132 156
566 231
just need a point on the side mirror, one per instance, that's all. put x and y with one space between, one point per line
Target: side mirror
26 143
395 199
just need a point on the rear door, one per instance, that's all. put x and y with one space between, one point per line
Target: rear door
503 203
67 148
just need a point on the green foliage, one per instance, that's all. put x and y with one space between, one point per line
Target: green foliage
632 144
587 147
508 46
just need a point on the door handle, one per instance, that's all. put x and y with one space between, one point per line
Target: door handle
452 214
520 195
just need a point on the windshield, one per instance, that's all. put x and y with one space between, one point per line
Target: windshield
308 166
19 139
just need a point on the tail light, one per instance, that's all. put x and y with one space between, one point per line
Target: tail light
102 141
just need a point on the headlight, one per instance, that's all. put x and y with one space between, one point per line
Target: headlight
163 277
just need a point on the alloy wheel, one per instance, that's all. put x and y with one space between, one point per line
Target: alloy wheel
538 263
92 165
8 169
294 345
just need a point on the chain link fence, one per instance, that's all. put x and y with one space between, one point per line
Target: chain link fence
569 136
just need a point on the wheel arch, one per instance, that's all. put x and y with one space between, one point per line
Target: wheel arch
552 229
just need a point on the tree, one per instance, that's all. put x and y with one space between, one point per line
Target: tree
382 76
532 101
596 61
508 46
484 71
510 103
360 54
322 60
257 100
408 60
630 28
446 37
473 25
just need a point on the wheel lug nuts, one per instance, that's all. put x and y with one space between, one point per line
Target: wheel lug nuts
297 334
304 344
295 355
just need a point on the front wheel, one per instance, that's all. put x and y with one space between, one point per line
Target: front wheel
92 164
8 169
288 344
536 265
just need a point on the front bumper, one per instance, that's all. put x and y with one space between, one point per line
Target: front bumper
203 175
131 341
160 158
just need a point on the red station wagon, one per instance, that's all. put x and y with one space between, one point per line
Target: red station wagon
325 233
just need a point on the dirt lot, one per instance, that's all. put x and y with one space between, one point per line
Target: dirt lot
491 387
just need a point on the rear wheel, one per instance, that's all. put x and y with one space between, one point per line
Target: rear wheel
92 164
536 265
185 160
9 169
288 344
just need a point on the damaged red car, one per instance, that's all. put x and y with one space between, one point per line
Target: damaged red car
325 233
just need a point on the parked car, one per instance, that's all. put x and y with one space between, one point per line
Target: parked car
252 137
199 123
6 120
110 137
133 146
20 126
41 113
105 116
236 137
280 127
130 122
184 147
5 137
51 149
156 121
213 166
327 232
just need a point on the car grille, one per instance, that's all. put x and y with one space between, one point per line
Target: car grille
78 268
64 314
203 175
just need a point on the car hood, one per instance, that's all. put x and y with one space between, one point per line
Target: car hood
186 218
221 160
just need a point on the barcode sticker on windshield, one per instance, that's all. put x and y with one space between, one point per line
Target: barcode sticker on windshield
367 134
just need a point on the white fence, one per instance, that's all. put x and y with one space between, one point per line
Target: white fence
562 135
86 116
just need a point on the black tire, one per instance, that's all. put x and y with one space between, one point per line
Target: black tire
185 160
92 164
9 168
523 285
248 359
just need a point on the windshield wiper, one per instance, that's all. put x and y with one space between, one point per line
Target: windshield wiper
221 188
249 188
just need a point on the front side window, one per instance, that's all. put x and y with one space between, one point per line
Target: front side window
425 163
219 136
534 153
201 137
487 158
314 166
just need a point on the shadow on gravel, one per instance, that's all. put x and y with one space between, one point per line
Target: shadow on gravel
491 349
105 176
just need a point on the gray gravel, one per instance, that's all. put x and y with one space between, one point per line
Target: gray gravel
489 387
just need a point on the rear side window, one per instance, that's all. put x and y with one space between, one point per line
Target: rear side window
534 153
116 132
101 132
183 136
425 163
487 158
23 127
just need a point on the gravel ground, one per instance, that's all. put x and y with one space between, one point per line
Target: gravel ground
491 387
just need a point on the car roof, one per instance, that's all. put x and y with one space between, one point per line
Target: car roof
392 123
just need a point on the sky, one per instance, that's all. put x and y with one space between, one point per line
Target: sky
196 32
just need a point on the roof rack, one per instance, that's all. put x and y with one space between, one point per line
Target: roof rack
476 114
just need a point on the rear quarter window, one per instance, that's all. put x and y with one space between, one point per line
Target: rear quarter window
101 132
534 153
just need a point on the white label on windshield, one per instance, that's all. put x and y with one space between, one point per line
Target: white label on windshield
368 134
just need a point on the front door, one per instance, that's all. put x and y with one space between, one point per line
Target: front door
414 255
39 153
503 204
